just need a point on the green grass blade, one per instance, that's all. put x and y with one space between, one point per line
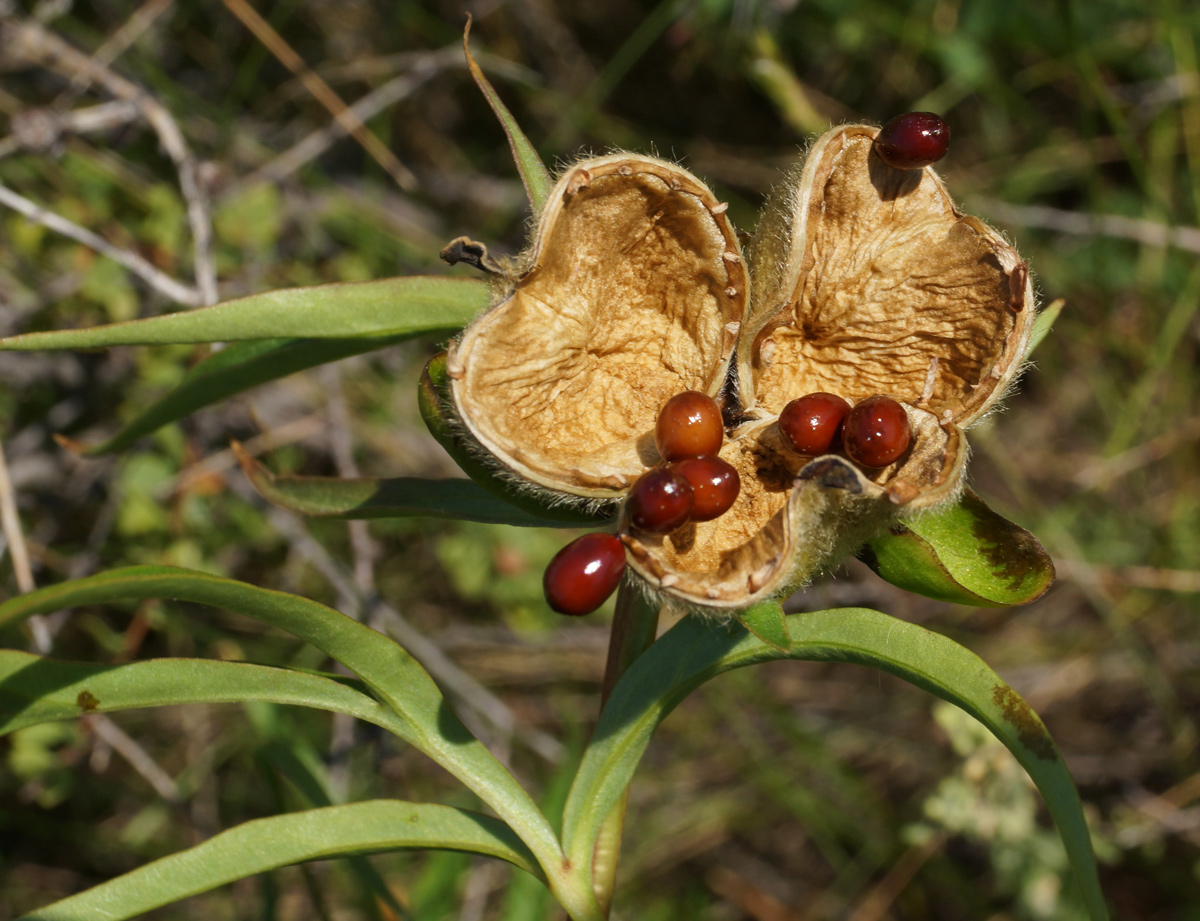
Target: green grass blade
239 367
402 497
264 844
696 650
534 174
392 306
965 554
426 720
35 690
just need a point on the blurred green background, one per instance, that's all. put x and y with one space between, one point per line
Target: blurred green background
790 792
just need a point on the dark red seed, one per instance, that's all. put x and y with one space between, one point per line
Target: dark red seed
876 431
715 485
912 141
659 502
812 424
584 573
689 425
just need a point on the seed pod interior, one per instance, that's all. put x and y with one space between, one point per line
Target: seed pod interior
633 292
867 275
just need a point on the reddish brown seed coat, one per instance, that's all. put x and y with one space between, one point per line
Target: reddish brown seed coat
812 424
715 485
912 141
876 431
689 425
584 573
659 502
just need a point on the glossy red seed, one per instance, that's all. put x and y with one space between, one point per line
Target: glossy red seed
812 424
689 425
876 431
659 502
912 141
715 485
584 573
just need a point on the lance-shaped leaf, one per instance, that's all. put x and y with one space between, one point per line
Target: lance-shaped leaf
391 306
38 690
697 649
533 173
371 827
433 401
239 367
426 721
963 553
401 497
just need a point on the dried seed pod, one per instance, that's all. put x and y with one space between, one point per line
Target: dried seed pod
866 280
624 300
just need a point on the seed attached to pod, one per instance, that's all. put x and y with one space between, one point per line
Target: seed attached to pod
812 424
715 485
876 431
689 425
660 501
584 573
912 141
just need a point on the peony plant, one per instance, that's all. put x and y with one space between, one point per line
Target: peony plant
833 365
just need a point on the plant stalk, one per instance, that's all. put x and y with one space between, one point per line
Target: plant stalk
634 627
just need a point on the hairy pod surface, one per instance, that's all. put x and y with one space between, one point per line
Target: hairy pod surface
866 280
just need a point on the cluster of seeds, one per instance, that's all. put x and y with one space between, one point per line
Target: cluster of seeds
873 433
695 484
692 485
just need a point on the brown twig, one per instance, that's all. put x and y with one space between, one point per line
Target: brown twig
876 903
396 89
322 92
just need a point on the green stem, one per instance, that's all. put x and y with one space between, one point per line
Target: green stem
634 627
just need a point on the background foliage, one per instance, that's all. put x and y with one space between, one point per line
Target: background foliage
836 793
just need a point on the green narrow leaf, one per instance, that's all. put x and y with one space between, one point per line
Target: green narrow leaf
239 367
696 650
391 307
402 497
964 553
1043 324
35 690
534 175
425 721
433 399
371 827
